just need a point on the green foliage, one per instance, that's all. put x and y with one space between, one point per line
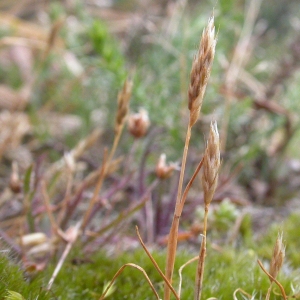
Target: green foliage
13 284
106 47
14 296
224 216
290 229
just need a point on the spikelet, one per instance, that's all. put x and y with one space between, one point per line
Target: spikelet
211 164
200 72
123 103
277 257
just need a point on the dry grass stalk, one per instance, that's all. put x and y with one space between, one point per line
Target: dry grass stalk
180 273
276 261
123 106
118 274
123 103
211 165
74 154
156 265
199 77
273 280
71 235
53 36
100 180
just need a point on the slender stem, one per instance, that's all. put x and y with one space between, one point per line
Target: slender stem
95 194
115 144
201 263
156 265
205 220
269 292
185 193
200 270
72 239
173 235
180 273
273 280
183 163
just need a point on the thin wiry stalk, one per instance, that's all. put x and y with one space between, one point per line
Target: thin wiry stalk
211 165
72 237
96 192
272 279
118 274
200 73
172 240
156 265
180 272
200 269
123 103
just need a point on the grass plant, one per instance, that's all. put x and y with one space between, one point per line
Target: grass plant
79 191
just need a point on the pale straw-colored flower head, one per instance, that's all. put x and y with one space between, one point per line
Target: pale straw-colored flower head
277 257
211 164
200 72
123 103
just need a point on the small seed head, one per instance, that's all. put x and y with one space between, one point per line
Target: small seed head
278 256
211 164
123 103
139 123
200 72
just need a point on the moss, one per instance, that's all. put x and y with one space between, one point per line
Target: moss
12 279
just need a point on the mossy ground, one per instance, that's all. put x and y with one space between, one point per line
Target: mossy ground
227 269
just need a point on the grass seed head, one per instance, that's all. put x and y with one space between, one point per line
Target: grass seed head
211 164
123 103
277 257
200 72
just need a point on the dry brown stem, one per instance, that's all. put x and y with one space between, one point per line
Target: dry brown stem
118 274
272 279
211 165
173 234
200 269
72 235
96 192
199 77
123 104
156 265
